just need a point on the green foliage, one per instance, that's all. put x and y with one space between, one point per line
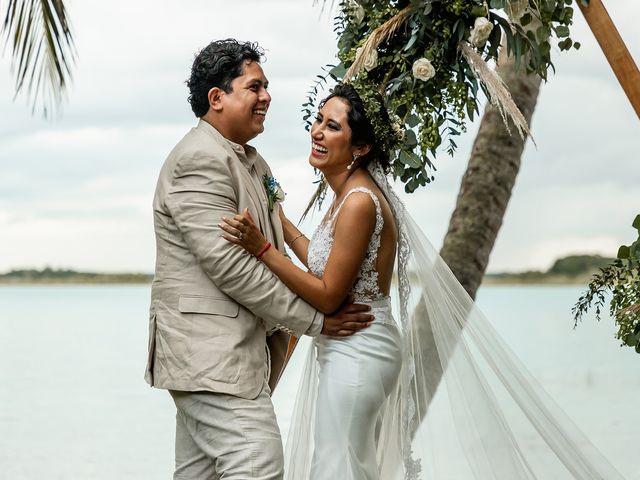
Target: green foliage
622 279
434 110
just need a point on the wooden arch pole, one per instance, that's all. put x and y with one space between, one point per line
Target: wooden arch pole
614 49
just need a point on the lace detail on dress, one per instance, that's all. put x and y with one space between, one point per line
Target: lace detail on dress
366 286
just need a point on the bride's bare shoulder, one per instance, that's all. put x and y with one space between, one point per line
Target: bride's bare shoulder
358 210
359 200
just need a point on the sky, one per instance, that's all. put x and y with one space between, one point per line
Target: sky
76 190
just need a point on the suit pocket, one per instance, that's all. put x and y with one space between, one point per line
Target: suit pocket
209 305
214 336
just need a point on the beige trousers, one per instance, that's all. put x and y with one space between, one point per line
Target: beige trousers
223 436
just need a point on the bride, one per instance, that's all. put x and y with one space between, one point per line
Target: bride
364 402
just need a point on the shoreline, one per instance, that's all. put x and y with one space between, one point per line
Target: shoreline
547 280
570 270
489 280
142 279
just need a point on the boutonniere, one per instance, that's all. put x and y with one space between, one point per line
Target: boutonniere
273 189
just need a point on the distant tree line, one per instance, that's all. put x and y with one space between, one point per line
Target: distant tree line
573 268
50 275
579 264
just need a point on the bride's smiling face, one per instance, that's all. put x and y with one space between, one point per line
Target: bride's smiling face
331 148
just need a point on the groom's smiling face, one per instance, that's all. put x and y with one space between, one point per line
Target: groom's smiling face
244 108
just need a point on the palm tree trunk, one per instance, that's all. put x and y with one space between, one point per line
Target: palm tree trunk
487 184
482 201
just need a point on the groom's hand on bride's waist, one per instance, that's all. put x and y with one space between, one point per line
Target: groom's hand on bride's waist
348 319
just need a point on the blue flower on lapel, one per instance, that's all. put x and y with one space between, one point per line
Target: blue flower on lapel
273 189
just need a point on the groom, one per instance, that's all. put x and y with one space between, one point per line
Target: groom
212 304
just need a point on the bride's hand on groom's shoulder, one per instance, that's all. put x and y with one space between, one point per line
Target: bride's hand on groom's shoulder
242 230
348 319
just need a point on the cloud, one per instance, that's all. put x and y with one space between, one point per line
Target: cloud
77 191
116 244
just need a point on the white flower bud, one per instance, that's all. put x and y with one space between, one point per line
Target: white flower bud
398 128
423 70
480 32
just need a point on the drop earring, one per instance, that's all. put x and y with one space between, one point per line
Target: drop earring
355 158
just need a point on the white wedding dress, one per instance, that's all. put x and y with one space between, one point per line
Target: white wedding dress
365 405
356 373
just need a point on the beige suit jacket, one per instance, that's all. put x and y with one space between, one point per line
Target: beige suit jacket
212 303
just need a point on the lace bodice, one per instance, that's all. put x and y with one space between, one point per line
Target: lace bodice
366 286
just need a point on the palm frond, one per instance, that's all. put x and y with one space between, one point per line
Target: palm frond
42 50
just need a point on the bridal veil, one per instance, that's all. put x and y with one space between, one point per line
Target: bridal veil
459 374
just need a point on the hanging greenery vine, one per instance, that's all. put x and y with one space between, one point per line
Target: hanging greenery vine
622 280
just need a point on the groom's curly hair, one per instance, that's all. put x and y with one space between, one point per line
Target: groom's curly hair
216 65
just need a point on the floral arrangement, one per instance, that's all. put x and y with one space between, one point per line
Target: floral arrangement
427 58
273 190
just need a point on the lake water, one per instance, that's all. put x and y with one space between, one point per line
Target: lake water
74 405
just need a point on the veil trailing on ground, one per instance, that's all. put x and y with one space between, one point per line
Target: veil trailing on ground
457 375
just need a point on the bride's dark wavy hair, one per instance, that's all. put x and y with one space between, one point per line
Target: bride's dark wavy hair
362 132
216 65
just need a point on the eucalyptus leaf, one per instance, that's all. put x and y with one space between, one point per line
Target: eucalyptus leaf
623 252
410 140
411 185
338 71
631 340
412 120
410 159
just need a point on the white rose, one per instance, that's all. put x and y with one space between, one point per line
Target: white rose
480 32
423 70
371 61
279 194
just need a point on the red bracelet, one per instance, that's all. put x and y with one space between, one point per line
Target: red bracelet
266 247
